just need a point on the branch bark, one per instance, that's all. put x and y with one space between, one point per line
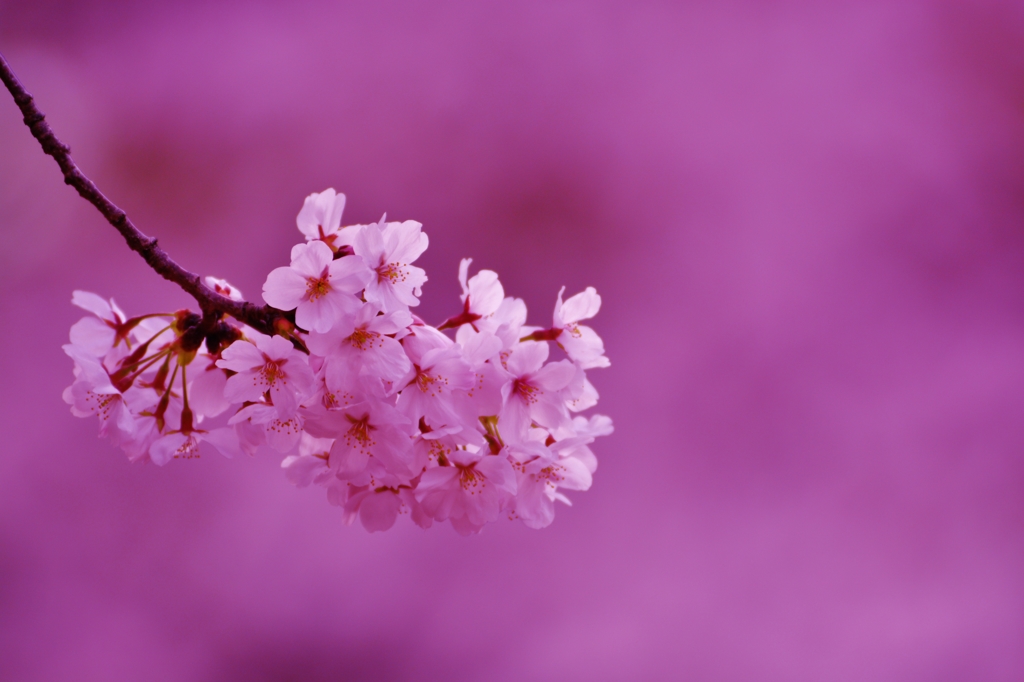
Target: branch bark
213 304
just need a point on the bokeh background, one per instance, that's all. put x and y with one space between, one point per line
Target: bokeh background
807 224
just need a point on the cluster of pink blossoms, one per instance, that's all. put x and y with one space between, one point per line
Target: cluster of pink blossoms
387 413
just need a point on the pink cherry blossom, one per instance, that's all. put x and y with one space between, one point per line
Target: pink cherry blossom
481 296
320 216
542 470
282 433
481 351
389 250
482 292
470 492
367 347
372 440
581 343
385 413
97 335
506 322
438 371
536 392
92 393
206 394
267 366
320 289
179 445
130 417
582 433
438 447
310 464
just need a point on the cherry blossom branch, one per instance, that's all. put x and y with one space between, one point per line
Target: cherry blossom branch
213 304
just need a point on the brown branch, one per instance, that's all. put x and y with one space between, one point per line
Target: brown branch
212 304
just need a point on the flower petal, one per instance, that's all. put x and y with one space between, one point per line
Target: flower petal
285 288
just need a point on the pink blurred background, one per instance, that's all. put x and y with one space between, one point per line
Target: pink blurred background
807 224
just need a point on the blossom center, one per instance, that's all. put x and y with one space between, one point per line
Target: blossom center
528 393
471 480
550 474
438 452
317 287
363 338
188 450
333 400
359 432
429 383
391 272
271 372
104 403
285 428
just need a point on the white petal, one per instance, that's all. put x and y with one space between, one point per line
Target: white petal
164 449
285 288
244 386
310 259
326 311
349 274
93 335
527 357
498 472
206 394
555 376
86 300
225 440
582 306
301 470
369 244
404 241
463 274
485 293
241 356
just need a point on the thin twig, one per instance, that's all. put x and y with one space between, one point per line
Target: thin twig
212 304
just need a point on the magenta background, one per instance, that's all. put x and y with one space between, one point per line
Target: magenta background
807 225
